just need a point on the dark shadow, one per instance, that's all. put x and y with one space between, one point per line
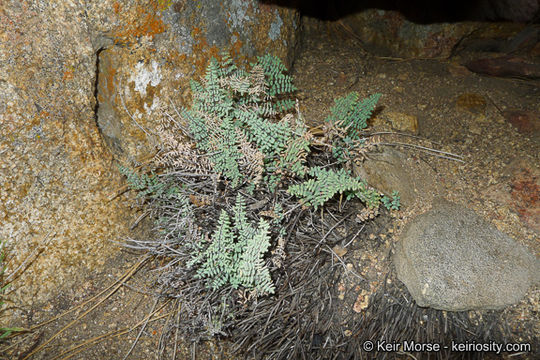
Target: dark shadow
418 11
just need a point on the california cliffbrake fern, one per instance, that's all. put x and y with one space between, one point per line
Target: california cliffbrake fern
234 120
348 118
145 185
243 135
234 254
325 183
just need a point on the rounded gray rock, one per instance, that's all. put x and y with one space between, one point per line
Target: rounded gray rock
451 259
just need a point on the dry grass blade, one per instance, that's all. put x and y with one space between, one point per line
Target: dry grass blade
142 329
96 340
123 278
430 151
114 287
28 260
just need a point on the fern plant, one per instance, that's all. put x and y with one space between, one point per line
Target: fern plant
348 117
325 183
235 253
243 130
235 117
4 331
145 185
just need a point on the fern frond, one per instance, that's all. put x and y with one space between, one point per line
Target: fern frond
252 160
350 114
343 127
391 202
279 83
218 258
146 186
251 269
294 156
227 156
235 255
327 183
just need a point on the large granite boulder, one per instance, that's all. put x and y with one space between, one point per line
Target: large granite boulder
142 71
451 259
81 85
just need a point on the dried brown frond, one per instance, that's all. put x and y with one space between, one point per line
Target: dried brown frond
332 131
369 145
368 213
278 255
257 81
254 83
235 82
252 160
177 152
199 200
185 157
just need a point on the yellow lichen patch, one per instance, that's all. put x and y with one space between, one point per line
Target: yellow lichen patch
109 80
84 145
117 7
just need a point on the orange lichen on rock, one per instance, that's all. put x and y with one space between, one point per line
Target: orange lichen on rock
68 75
117 7
236 48
148 23
201 47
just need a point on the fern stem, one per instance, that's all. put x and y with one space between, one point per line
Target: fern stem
292 209
180 173
402 134
452 156
345 270
355 236
332 229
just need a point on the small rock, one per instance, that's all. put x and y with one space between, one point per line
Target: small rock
339 250
475 128
525 192
458 70
526 122
362 302
392 170
519 193
402 122
341 291
451 259
472 103
403 76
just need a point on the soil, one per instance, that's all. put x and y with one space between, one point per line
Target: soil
457 111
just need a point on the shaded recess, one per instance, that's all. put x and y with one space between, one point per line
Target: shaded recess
105 116
422 11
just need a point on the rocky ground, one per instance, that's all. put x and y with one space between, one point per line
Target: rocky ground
439 100
450 109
